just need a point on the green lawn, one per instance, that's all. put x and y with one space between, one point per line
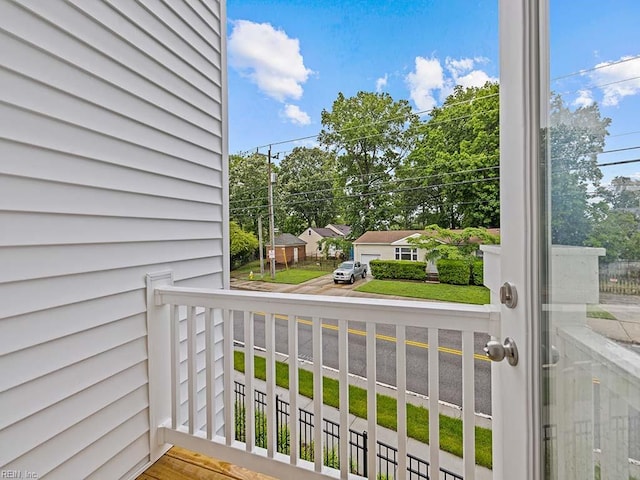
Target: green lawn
428 291
417 417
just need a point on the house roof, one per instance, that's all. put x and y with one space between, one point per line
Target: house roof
391 236
385 237
344 229
325 232
287 239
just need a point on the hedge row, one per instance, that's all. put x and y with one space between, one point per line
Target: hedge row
477 271
459 272
398 270
455 272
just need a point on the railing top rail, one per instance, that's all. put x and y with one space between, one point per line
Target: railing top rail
618 359
452 316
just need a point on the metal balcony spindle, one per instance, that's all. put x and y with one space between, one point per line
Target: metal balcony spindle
293 390
372 417
317 392
434 407
192 369
210 371
468 407
270 346
343 363
401 380
250 417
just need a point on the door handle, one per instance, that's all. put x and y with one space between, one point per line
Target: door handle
496 351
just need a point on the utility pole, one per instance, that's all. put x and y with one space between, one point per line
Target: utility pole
261 246
272 239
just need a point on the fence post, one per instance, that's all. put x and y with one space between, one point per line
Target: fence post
365 455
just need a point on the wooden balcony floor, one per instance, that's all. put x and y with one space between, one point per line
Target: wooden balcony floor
181 464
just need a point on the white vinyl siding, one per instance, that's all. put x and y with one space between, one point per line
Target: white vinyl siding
112 166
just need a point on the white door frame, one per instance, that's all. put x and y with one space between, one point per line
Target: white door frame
516 392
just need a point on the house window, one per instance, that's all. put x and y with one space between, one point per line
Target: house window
406 253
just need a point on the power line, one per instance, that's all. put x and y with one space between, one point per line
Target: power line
390 193
385 183
581 72
400 117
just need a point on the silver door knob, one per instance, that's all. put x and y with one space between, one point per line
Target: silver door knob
496 351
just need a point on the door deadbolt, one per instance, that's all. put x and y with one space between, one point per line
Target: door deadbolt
509 295
497 351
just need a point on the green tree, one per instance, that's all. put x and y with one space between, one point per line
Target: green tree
574 141
305 189
336 244
452 177
624 193
370 133
243 245
618 233
248 190
454 245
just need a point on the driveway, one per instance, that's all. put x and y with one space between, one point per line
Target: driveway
318 286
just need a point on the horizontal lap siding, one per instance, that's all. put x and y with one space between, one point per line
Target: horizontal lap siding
112 142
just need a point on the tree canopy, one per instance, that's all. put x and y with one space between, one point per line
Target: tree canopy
305 189
575 139
371 134
451 178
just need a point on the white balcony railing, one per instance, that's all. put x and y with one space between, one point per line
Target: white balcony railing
197 327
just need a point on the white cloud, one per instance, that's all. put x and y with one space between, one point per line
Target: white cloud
617 79
295 115
423 83
585 98
430 80
269 57
381 83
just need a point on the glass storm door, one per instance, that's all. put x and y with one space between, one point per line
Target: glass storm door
590 361
570 209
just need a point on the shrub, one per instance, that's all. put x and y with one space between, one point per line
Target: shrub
477 271
398 270
455 272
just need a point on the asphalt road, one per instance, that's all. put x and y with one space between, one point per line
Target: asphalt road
417 356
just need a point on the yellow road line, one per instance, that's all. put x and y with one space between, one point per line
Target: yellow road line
388 338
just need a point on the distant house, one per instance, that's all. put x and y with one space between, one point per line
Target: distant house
313 235
389 245
344 230
393 245
289 248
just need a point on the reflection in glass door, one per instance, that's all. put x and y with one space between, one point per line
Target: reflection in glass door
591 339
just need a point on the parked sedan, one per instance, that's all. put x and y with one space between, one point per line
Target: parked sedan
348 271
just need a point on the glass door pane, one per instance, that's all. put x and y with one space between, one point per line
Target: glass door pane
591 340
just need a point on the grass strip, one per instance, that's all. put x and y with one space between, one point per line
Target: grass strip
428 291
595 311
417 417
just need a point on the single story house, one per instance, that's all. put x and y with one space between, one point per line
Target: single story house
388 245
289 248
313 235
393 245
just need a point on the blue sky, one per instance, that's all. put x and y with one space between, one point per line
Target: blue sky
288 59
